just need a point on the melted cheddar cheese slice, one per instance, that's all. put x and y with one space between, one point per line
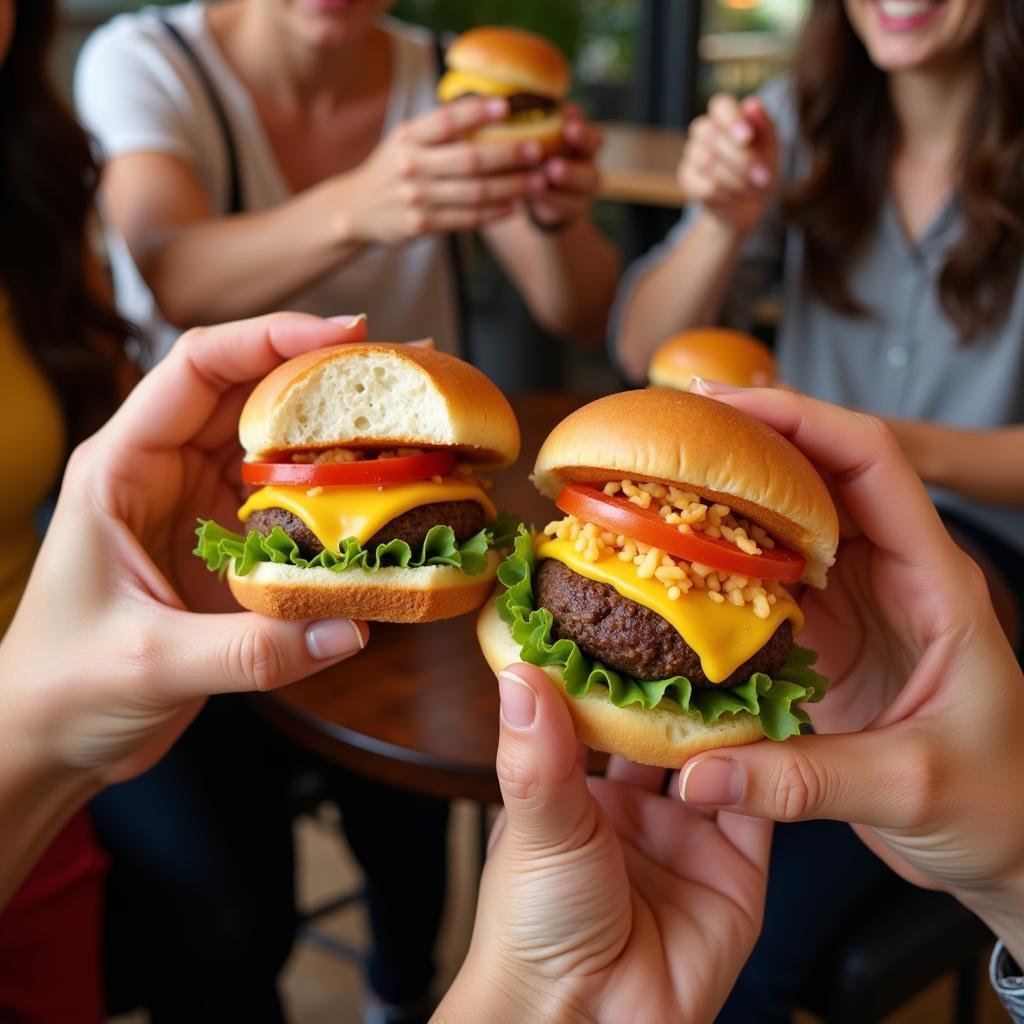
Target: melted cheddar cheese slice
334 513
458 83
724 636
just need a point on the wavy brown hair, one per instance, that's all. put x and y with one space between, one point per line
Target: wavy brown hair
48 181
848 121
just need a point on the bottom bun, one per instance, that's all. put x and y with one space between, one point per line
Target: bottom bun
664 737
391 594
547 131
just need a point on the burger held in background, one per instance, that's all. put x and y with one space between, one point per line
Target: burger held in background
370 501
519 66
657 599
714 353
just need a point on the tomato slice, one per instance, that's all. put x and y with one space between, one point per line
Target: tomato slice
646 526
399 470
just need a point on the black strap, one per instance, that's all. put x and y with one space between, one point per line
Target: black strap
454 248
235 204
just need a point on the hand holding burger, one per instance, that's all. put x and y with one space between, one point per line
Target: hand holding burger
110 655
602 900
533 77
659 602
926 697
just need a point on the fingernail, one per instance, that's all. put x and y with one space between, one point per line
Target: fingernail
422 343
518 701
712 387
759 175
715 782
334 638
496 107
348 320
741 131
532 150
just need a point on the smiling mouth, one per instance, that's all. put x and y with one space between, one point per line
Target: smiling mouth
906 14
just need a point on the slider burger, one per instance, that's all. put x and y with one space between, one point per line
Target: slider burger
524 68
657 600
369 505
713 353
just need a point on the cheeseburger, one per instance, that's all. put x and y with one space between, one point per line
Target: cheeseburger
523 68
369 501
657 598
713 353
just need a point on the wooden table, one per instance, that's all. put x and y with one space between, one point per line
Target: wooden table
638 164
419 707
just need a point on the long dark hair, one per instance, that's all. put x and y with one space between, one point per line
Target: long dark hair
847 119
48 181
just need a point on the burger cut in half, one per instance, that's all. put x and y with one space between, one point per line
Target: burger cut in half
657 599
369 503
524 68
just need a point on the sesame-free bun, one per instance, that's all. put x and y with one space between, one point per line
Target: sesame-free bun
713 353
724 455
547 131
379 395
512 56
663 736
391 594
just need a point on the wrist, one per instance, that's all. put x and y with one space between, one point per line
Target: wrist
486 989
336 211
723 233
1001 907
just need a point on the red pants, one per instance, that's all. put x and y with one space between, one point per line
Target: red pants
50 935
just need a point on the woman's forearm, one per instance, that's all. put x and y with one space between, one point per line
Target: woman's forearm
37 799
987 465
685 289
227 268
567 278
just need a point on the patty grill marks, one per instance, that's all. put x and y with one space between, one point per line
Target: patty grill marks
466 518
631 638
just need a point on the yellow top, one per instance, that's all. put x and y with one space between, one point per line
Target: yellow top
31 450
723 635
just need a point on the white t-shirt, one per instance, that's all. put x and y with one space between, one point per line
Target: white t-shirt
137 92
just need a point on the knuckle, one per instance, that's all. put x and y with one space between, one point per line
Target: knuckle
140 653
920 790
412 194
253 659
795 788
408 164
518 779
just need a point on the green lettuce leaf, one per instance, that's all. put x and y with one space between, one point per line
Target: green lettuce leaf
218 546
773 699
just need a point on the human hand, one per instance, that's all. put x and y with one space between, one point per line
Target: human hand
730 162
918 661
602 899
426 177
108 657
565 185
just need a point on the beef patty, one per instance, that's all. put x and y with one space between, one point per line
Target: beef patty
464 517
630 638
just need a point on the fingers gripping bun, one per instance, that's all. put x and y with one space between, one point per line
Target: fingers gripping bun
715 354
715 450
379 395
513 57
664 736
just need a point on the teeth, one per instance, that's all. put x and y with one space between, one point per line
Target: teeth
904 8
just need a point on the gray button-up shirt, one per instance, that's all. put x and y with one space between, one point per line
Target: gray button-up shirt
904 359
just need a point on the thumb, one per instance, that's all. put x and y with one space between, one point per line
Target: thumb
764 128
206 654
884 778
543 785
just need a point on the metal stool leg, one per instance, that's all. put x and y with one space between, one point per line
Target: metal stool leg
967 993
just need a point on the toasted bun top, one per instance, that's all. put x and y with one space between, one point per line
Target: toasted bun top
379 395
513 56
715 354
715 450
